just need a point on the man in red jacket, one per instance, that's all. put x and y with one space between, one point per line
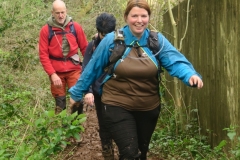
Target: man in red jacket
59 53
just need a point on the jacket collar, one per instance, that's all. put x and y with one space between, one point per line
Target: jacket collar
129 37
52 22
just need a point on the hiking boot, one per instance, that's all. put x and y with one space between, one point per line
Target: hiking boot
77 107
58 110
108 152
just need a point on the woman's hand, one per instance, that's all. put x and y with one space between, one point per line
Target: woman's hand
196 81
89 99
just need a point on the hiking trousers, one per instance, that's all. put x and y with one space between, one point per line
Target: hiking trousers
68 79
131 130
104 134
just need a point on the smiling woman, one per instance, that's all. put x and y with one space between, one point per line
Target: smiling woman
130 96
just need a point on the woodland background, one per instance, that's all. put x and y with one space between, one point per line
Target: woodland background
208 35
30 130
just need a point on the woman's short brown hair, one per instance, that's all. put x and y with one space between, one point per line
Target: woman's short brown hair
137 3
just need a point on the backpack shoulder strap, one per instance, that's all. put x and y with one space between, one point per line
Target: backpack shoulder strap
117 51
51 32
153 43
119 47
72 29
154 46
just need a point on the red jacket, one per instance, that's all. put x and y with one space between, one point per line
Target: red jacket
54 48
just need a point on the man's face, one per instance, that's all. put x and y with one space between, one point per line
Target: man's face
59 13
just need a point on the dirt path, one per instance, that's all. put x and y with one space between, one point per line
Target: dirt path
90 147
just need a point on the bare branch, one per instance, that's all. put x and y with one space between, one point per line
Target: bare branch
180 46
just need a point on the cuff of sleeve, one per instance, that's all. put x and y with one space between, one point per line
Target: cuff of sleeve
75 98
90 90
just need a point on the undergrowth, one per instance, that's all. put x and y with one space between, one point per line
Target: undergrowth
172 143
29 128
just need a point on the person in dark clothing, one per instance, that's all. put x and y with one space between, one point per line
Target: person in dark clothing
105 23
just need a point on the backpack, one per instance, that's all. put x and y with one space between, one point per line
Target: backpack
51 32
118 51
120 46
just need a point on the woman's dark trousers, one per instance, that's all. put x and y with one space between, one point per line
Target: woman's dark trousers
104 134
131 130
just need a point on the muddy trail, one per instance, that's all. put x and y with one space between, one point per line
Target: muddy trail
90 147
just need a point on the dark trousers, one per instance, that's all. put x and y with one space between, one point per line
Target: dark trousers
131 130
104 134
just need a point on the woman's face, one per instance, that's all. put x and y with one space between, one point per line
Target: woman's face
137 20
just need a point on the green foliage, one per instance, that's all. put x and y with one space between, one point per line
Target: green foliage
170 142
26 131
231 133
6 22
28 127
43 137
20 57
19 29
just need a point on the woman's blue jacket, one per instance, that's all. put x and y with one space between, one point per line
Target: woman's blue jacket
169 57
